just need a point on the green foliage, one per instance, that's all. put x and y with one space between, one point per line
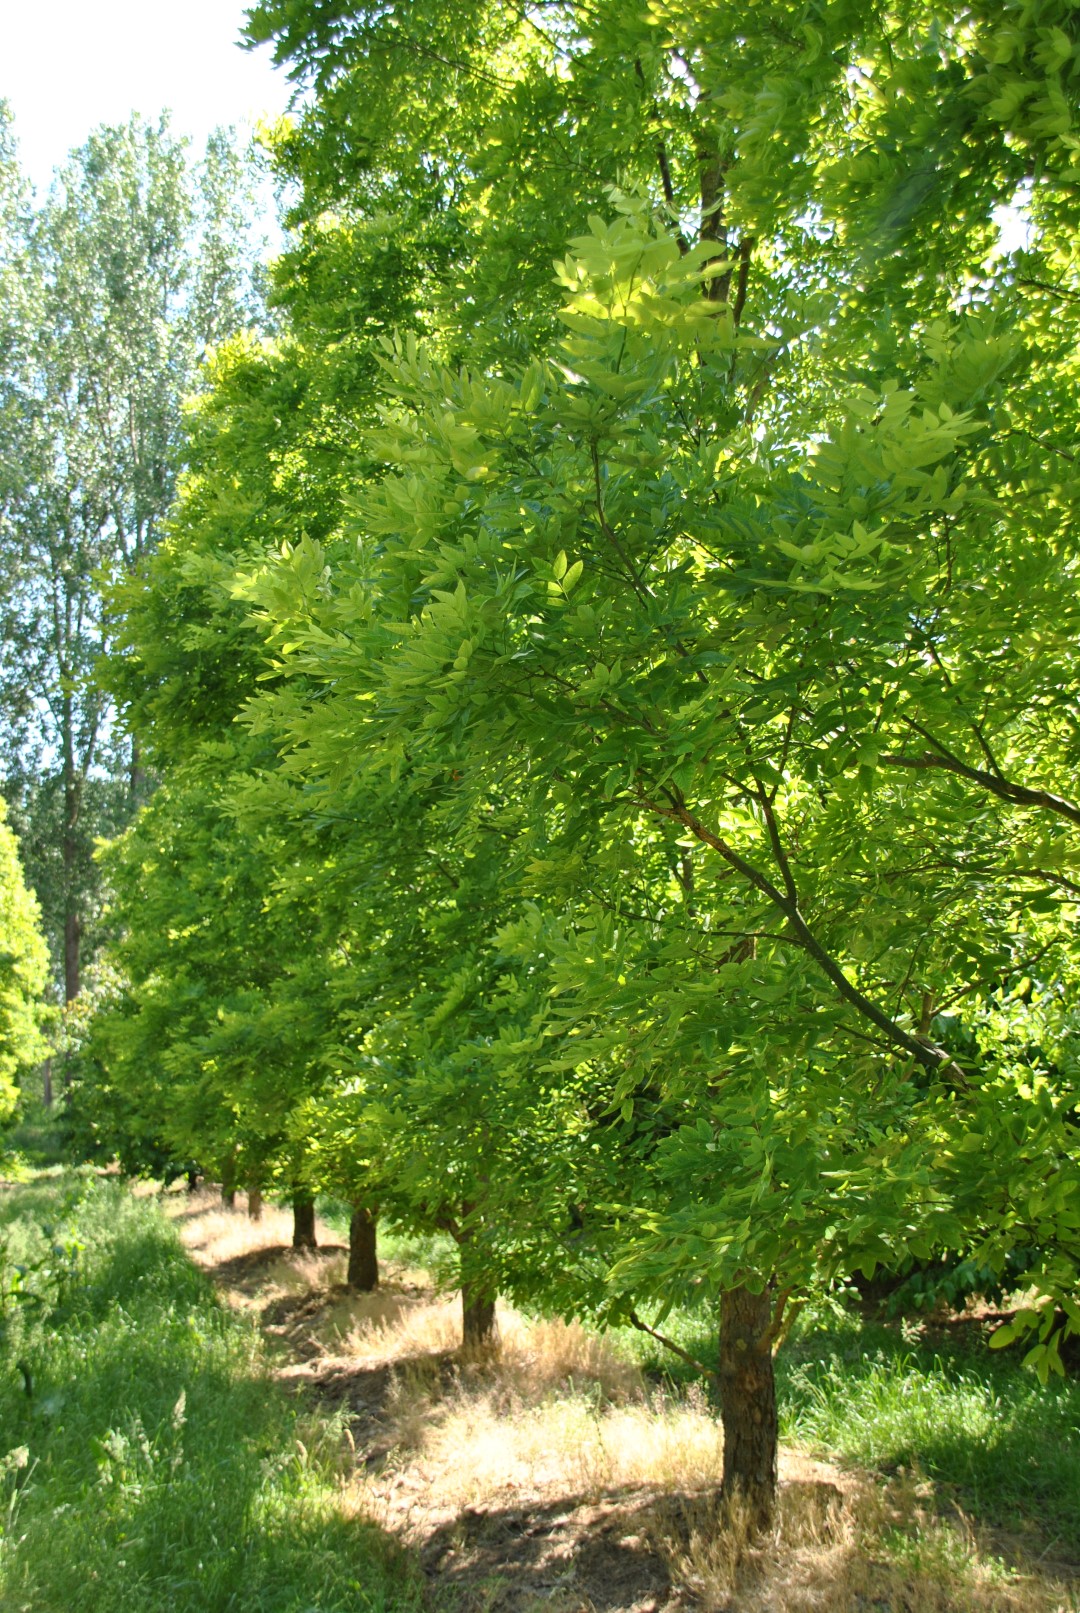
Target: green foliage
943 1410
23 974
220 1003
115 287
657 677
148 1463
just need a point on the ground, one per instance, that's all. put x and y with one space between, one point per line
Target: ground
555 1476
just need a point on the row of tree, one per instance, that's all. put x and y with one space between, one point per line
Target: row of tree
619 727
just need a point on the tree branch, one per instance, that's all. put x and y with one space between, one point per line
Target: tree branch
1005 789
931 1057
669 1344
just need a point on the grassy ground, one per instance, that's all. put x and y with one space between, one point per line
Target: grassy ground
146 1462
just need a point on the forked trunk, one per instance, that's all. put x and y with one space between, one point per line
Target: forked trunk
303 1233
363 1259
254 1203
748 1401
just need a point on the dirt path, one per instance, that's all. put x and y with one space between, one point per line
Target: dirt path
555 1478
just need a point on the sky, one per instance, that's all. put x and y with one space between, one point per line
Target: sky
68 65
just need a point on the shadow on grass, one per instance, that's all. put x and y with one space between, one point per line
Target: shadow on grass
162 1469
979 1423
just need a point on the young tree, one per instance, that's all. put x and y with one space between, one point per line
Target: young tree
724 586
23 971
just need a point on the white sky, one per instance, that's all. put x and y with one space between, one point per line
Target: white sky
68 65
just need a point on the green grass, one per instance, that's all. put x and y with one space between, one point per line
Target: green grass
146 1462
974 1421
959 1414
36 1139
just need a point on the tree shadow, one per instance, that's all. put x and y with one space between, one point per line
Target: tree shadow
572 1553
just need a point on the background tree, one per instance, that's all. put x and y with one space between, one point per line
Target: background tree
134 265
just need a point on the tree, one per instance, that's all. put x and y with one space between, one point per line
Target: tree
122 279
23 969
222 1002
720 585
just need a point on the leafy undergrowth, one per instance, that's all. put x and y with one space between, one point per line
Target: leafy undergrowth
567 1475
146 1462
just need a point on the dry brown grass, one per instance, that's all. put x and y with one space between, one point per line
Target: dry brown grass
218 1237
485 1445
558 1422
844 1549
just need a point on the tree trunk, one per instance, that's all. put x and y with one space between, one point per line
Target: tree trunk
748 1401
303 1236
478 1327
70 849
136 774
228 1183
254 1204
363 1259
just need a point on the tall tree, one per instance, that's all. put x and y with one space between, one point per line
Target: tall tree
725 584
127 273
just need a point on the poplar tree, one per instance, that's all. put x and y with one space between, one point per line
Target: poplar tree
118 282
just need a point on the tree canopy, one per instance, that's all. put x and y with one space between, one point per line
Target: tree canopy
115 287
649 685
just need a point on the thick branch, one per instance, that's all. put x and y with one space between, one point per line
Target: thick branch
932 1058
1017 794
746 251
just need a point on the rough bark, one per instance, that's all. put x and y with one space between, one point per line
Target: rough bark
136 774
478 1327
303 1236
748 1401
254 1204
363 1257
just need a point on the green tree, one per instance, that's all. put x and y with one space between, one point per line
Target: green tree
221 1004
121 279
757 587
23 973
